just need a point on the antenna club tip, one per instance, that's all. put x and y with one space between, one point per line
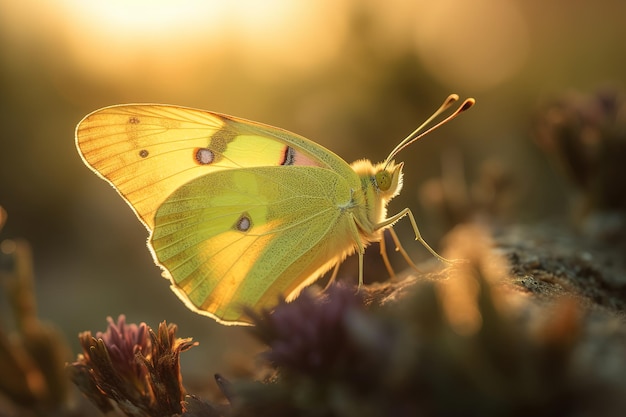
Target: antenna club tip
451 99
420 132
467 104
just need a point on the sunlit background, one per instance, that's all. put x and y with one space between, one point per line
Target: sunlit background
353 75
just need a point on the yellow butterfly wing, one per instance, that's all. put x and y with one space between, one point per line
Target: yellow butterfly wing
243 237
147 151
182 171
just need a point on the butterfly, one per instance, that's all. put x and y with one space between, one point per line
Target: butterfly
239 212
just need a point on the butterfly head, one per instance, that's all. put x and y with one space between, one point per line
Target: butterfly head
388 179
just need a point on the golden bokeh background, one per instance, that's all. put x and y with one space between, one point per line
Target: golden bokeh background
355 76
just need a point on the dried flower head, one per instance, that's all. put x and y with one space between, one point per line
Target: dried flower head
123 342
163 366
309 334
132 366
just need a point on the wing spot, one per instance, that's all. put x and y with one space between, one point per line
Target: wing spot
289 158
133 120
144 153
244 223
204 156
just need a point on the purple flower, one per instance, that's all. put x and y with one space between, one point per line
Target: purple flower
132 366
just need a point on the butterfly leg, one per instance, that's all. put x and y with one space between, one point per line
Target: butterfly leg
360 269
383 254
354 230
333 276
400 248
418 235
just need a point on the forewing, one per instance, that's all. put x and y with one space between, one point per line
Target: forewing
148 151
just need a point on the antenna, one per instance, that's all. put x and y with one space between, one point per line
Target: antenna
452 98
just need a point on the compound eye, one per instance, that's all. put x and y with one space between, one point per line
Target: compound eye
383 180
